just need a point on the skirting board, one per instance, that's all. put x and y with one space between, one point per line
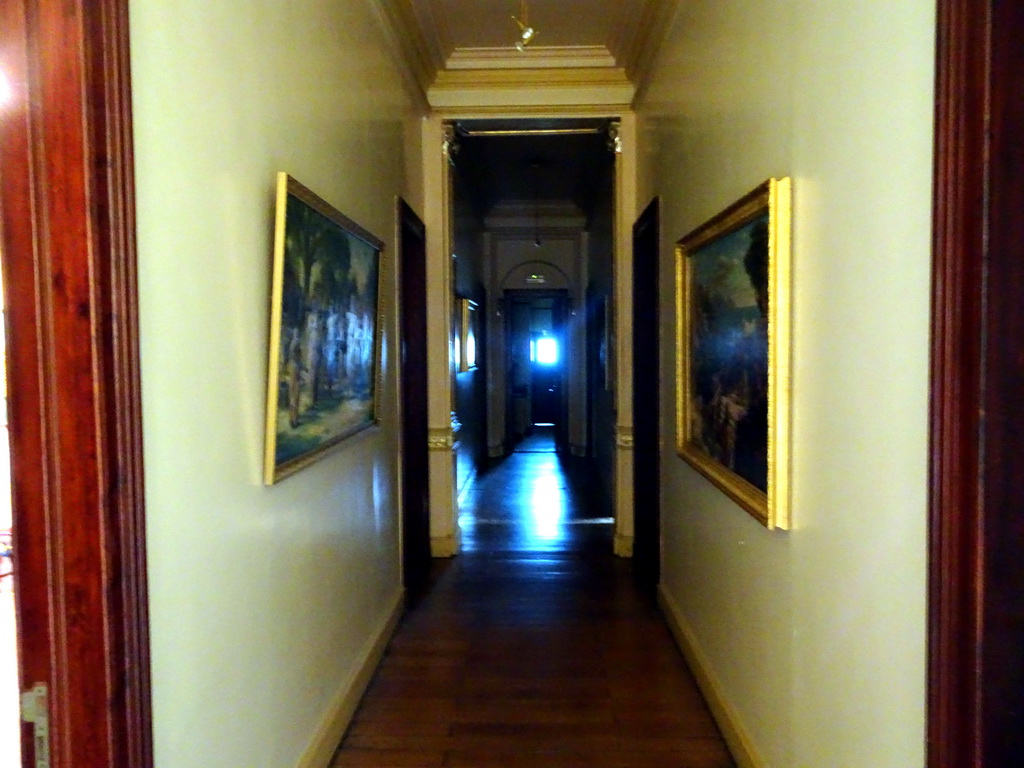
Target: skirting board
736 736
445 546
339 714
622 545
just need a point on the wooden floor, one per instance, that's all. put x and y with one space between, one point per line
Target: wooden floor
533 648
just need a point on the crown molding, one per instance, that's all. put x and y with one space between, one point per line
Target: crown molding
622 36
550 111
433 31
639 39
420 55
536 57
488 88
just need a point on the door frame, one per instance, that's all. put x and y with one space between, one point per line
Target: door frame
976 615
415 458
68 229
559 313
647 397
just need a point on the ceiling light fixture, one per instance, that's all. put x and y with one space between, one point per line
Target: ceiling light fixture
526 32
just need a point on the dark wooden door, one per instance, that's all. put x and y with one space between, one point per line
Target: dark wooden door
413 339
646 400
976 644
67 228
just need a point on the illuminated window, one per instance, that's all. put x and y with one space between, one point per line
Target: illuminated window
547 351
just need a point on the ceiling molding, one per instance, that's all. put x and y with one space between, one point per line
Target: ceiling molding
542 57
468 89
622 38
552 111
435 33
636 49
420 60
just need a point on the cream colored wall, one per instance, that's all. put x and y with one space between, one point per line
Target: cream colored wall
264 600
815 638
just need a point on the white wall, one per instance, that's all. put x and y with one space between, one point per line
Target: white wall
816 637
263 599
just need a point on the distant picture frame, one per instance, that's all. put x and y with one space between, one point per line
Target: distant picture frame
469 335
608 343
323 371
733 343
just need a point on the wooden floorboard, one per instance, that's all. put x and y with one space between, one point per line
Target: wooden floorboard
534 648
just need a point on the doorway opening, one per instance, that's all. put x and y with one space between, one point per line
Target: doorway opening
532 232
536 392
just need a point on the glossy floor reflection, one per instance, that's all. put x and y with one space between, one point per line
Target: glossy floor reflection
533 648
535 502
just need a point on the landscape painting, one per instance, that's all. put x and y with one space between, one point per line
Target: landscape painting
324 334
733 408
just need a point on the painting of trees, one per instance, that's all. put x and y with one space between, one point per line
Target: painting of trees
325 353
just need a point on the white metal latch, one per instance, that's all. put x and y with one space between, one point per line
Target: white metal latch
35 710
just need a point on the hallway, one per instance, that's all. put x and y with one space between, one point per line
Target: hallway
533 647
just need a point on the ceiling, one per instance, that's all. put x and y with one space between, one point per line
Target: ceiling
456 46
478 34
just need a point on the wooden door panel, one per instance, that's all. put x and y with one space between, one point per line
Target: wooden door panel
646 400
976 606
413 340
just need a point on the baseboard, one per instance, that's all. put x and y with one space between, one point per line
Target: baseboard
623 545
736 736
444 546
339 714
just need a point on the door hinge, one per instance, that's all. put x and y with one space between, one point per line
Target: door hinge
35 709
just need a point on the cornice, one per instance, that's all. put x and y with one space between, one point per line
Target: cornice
419 58
557 78
542 57
434 33
576 86
638 51
623 33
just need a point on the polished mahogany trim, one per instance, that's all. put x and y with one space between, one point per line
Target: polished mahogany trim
1002 661
955 511
976 623
955 420
75 409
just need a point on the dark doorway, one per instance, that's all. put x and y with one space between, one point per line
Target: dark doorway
412 304
646 400
536 368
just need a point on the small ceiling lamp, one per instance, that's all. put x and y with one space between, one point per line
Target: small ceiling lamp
526 32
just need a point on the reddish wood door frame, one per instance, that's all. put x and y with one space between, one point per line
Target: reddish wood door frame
66 195
976 623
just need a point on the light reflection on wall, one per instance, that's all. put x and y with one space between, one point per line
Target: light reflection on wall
6 90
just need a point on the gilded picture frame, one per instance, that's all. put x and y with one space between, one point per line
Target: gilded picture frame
323 371
469 335
733 350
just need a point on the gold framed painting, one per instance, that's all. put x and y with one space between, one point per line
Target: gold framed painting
469 334
324 360
733 326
